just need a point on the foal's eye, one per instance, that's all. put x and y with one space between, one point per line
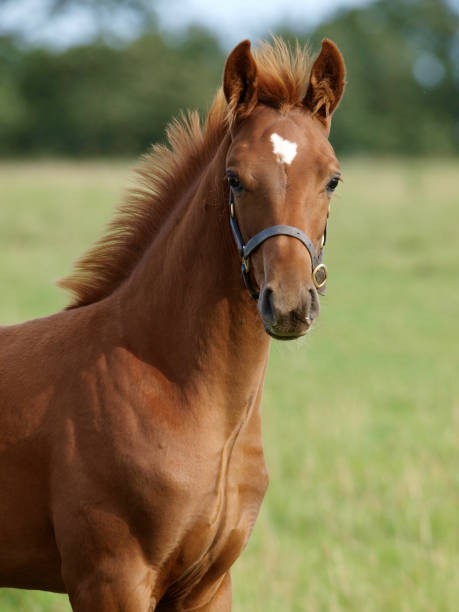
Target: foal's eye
333 184
234 181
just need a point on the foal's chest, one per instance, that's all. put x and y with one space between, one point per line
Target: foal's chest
227 499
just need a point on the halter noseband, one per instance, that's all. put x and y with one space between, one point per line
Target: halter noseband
319 270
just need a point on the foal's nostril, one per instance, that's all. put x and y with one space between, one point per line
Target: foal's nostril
267 307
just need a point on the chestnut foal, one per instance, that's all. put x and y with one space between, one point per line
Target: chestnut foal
131 460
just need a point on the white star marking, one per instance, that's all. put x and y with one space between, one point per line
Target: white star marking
284 150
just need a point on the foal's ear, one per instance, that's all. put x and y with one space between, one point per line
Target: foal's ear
240 81
326 83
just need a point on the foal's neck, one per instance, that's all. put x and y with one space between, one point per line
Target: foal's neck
185 309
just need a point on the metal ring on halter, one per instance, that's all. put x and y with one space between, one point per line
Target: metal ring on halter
319 268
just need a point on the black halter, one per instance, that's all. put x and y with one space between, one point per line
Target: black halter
319 270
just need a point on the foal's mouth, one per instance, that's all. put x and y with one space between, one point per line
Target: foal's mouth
279 334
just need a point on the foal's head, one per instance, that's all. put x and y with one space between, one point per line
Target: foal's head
283 171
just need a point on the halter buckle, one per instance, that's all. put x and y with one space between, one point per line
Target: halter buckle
321 268
246 264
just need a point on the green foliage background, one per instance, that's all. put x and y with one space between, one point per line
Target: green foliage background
113 97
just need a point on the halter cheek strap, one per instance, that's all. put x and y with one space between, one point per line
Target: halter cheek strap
319 270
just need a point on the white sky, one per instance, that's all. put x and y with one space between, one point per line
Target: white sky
231 20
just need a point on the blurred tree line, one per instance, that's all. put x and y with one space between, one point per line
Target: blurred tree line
114 97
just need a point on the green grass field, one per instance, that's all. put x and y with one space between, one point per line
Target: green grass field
361 419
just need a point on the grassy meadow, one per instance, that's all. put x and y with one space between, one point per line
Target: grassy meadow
361 418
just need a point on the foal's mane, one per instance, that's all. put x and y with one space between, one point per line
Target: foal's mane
167 170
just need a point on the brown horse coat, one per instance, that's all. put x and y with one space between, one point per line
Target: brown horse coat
131 461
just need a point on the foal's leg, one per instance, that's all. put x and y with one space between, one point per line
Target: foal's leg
103 564
219 601
105 575
122 589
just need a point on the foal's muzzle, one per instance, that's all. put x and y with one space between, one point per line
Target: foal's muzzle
281 320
